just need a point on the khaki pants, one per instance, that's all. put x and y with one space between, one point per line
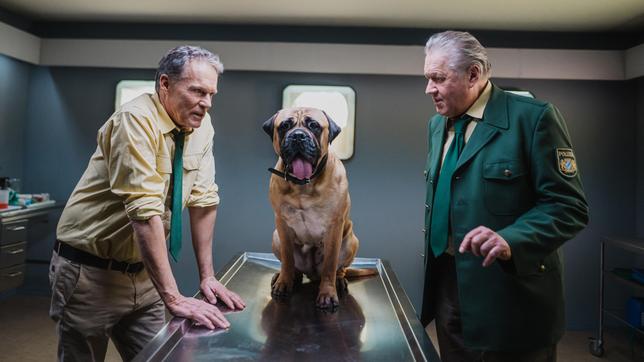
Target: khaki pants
91 305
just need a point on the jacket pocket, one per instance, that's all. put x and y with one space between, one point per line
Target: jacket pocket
506 189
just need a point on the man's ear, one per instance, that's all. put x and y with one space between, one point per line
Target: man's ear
334 129
164 82
269 124
474 74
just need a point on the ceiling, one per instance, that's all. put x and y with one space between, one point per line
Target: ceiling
544 15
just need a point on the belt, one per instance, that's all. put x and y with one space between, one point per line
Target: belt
86 258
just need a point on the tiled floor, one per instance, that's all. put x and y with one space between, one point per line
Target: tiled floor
27 334
574 347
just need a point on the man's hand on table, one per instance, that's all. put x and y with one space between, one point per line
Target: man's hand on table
198 311
211 288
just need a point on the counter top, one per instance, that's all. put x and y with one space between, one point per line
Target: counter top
29 212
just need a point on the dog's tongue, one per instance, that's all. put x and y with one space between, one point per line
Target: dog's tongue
301 168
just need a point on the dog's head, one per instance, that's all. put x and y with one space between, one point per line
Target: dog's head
301 137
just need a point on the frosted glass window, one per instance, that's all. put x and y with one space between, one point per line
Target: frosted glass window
337 102
126 90
522 93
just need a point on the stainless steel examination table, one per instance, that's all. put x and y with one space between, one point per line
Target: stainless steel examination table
375 322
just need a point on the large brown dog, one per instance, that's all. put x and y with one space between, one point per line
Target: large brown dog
309 193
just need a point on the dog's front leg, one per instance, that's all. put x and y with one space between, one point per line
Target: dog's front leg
328 295
282 284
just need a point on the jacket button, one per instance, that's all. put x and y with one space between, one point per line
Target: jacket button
425 173
422 255
431 181
542 268
507 173
458 177
426 206
424 231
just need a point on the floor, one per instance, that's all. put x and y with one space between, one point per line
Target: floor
27 334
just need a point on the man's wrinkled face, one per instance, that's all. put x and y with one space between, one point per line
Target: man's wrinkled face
188 99
450 90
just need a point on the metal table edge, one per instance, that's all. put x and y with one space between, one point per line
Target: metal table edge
417 338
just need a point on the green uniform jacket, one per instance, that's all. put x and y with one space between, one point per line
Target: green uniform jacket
517 176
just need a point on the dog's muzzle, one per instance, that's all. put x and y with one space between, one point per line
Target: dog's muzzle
300 152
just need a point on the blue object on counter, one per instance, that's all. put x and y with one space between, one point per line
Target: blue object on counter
635 312
638 275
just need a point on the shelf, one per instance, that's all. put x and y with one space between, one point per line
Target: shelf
614 314
630 244
617 276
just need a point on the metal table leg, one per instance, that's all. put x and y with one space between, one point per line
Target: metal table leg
596 345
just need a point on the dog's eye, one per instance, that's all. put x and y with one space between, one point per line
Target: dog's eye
314 126
284 126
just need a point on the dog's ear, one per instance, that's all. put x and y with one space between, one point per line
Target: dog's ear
334 129
269 124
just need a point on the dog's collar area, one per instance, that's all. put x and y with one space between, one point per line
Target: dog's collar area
288 177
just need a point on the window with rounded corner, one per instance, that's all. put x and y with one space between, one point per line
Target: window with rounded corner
127 90
524 93
338 102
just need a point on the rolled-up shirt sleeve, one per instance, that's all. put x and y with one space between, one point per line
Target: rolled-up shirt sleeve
205 192
129 145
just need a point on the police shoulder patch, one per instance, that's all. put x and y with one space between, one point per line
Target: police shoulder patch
566 161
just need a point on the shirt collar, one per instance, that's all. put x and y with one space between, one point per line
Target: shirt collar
476 110
165 122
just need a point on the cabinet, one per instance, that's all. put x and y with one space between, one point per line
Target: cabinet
613 274
13 243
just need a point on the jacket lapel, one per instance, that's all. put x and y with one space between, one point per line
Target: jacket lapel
437 135
495 118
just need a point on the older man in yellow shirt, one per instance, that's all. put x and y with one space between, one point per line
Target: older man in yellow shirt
110 274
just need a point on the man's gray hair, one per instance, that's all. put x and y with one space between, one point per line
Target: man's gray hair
463 49
173 63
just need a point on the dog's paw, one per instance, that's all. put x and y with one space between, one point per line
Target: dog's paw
281 287
327 299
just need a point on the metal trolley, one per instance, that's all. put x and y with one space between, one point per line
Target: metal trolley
596 345
375 322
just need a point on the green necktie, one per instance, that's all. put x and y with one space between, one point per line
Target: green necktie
439 229
177 180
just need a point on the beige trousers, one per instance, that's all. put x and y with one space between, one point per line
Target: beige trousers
91 305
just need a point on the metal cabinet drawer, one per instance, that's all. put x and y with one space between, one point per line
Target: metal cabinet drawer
13 232
12 254
12 277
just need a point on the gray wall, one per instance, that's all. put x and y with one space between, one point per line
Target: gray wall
14 82
386 183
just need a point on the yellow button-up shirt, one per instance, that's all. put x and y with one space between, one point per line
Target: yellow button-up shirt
129 178
475 111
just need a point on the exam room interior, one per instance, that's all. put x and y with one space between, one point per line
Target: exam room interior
49 115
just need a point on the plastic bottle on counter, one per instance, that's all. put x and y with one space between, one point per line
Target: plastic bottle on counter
4 198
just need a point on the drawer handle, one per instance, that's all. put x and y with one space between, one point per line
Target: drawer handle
16 228
15 274
17 251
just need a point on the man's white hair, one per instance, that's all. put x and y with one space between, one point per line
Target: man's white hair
463 49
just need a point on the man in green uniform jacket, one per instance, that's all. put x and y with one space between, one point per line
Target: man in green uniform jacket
498 209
